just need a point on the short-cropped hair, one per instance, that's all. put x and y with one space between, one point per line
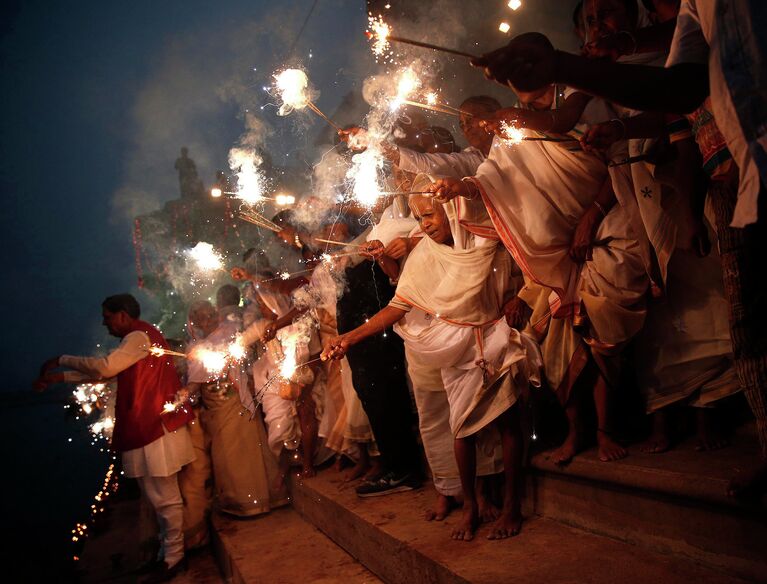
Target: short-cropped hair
123 302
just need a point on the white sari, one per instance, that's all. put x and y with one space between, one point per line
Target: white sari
483 362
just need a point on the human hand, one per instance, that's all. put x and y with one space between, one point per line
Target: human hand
585 232
446 189
269 333
517 313
335 348
355 137
527 63
45 380
699 239
240 274
498 122
398 248
601 136
374 248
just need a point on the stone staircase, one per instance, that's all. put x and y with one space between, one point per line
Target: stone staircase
648 519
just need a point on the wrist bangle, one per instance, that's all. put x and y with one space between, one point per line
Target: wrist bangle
601 208
622 125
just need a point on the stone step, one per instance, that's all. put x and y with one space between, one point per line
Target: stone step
281 548
674 503
390 537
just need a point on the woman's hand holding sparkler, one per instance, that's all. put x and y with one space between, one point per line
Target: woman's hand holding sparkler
499 121
240 274
447 189
355 137
527 63
600 137
398 248
375 249
336 348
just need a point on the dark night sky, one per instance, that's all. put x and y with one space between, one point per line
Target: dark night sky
98 97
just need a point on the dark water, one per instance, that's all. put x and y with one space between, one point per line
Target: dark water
48 484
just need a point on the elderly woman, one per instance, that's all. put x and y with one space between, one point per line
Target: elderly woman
460 282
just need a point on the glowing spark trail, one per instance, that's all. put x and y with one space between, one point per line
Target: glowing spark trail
293 87
205 257
381 36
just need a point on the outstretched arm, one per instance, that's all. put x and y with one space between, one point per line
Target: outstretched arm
336 348
529 62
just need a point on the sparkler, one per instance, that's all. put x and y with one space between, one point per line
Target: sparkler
216 193
333 242
381 35
293 87
206 258
213 361
258 219
363 176
441 108
630 160
158 351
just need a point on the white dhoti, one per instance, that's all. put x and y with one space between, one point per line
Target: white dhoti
156 466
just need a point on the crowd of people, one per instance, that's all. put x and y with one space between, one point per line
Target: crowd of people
617 238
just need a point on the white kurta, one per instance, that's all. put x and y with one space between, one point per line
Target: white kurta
455 164
162 457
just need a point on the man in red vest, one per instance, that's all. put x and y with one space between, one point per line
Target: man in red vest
154 443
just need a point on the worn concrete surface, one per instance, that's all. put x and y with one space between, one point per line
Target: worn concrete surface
114 555
282 548
389 535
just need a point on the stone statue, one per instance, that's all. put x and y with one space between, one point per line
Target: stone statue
189 183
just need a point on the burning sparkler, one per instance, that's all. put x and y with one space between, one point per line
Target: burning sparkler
512 134
258 219
293 87
214 362
158 351
205 257
251 183
380 33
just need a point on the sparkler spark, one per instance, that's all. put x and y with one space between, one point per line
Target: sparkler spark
237 349
379 32
407 83
514 4
251 183
513 135
213 361
504 27
293 87
205 257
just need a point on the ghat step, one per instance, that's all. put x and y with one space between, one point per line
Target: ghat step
674 503
281 548
390 537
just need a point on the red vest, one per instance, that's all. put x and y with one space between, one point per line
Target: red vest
142 390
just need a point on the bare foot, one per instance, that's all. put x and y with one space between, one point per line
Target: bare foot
569 448
609 449
710 435
356 471
751 484
487 511
659 441
656 444
465 529
508 524
441 509
308 471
